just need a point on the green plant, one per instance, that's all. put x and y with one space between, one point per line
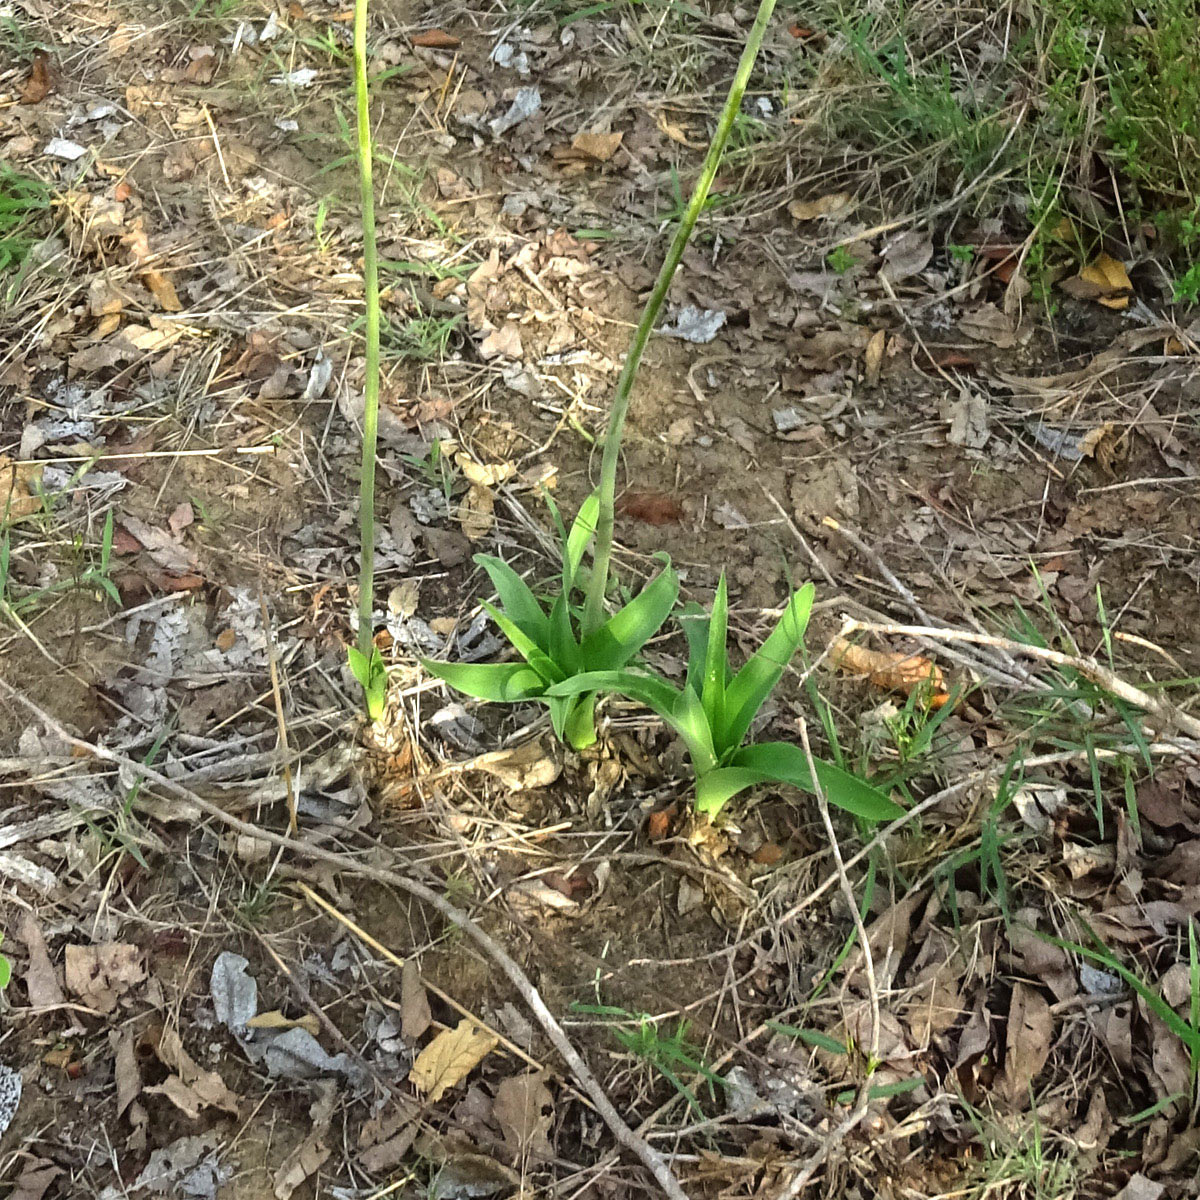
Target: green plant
840 260
713 711
366 663
551 643
22 198
96 576
5 968
1187 286
670 1055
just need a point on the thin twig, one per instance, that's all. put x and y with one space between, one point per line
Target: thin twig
847 891
273 665
654 1162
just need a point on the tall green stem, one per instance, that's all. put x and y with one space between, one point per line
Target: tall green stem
370 437
593 613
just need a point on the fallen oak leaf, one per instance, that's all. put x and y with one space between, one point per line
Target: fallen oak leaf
450 1058
890 669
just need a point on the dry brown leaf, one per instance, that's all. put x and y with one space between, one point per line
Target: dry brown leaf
41 79
987 323
476 512
191 1088
1030 1031
589 148
523 1109
17 481
35 1179
450 1058
891 670
415 1015
677 133
163 290
436 39
874 356
1104 279
41 980
99 975
655 508
504 342
276 1020
836 204
125 1069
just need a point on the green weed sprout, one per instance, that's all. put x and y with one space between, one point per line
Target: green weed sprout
366 663
552 648
5 968
713 711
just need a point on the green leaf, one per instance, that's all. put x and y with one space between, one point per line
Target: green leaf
5 972
695 622
716 788
524 645
690 721
564 649
582 529
518 602
626 632
372 678
360 666
656 694
810 1037
712 687
499 683
580 726
784 762
106 542
755 681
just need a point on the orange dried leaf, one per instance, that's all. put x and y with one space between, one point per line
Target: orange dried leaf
163 290
41 80
18 496
891 670
659 823
436 39
655 508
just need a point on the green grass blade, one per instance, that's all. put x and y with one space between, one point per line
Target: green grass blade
517 600
499 683
615 643
712 687
755 681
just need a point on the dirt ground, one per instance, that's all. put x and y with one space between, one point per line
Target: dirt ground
198 1011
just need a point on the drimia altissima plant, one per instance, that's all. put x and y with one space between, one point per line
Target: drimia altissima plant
571 649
